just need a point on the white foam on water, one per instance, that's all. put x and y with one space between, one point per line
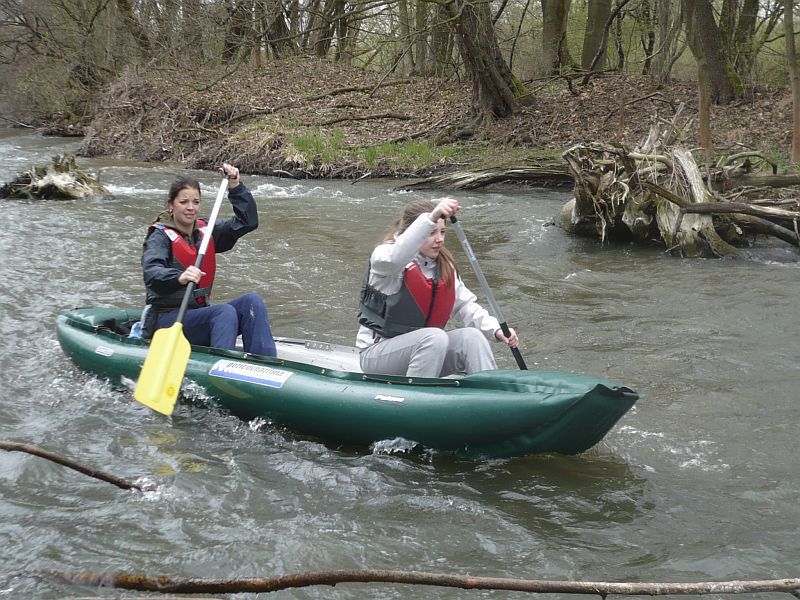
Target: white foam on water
396 445
291 191
132 190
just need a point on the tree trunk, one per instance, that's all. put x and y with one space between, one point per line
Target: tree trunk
272 27
353 20
555 55
493 85
310 31
596 16
705 41
649 37
293 20
704 113
743 39
259 34
405 38
737 25
791 61
238 36
167 25
323 35
341 22
191 26
522 18
727 22
135 28
618 43
441 42
421 35
670 18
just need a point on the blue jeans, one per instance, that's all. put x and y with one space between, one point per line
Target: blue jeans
218 325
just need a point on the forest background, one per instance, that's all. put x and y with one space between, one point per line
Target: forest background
352 88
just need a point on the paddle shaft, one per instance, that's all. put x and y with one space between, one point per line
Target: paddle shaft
488 292
203 248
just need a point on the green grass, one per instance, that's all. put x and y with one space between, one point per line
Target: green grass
327 148
780 158
407 155
330 148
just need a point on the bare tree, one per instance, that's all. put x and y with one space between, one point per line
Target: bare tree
669 16
597 12
275 27
493 85
705 41
406 45
648 37
134 27
737 24
442 42
555 55
791 61
239 33
421 34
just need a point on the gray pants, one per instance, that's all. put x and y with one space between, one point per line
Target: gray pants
430 352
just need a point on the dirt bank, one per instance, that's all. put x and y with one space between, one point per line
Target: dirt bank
310 118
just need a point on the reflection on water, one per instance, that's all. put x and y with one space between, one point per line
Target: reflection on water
697 482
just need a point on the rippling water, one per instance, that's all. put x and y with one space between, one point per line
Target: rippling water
698 482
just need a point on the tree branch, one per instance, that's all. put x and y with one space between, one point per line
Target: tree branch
366 118
19 447
182 585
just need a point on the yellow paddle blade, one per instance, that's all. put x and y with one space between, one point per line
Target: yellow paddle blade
163 370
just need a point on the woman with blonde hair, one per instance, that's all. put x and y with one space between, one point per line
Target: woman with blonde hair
411 290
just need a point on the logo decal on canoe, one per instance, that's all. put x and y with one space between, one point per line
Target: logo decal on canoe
257 374
104 351
386 398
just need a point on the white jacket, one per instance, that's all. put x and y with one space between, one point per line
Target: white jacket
388 263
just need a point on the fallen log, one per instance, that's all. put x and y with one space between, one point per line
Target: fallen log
546 175
741 207
766 227
694 236
775 181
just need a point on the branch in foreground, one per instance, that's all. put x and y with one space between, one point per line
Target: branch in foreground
19 447
180 585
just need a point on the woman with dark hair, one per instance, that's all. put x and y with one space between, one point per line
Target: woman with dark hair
170 251
411 290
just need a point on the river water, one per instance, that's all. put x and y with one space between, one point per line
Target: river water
698 482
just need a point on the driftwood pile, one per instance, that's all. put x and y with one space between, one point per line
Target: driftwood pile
657 192
61 180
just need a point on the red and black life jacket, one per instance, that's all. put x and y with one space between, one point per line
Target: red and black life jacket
184 255
420 302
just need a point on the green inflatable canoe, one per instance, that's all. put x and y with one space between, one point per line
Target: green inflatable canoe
316 390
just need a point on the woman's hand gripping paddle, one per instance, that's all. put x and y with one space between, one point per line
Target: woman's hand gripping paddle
165 364
482 280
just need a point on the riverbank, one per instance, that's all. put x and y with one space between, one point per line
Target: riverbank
309 118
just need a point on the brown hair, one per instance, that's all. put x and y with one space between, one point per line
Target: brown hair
412 210
182 183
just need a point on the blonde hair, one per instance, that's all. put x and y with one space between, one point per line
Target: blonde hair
412 210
